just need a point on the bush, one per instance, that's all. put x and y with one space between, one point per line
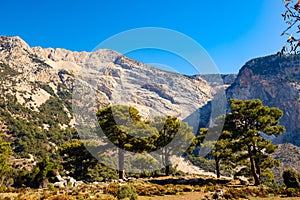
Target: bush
243 193
291 179
127 192
61 197
291 192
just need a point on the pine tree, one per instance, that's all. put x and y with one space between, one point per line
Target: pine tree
170 129
81 164
76 158
222 151
219 145
197 141
125 129
246 122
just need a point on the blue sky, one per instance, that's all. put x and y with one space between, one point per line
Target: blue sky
232 31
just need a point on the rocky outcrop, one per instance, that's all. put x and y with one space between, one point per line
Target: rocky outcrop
276 81
35 75
217 81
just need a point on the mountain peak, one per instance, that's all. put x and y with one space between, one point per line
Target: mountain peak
9 43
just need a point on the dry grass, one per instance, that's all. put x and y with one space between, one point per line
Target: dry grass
274 198
191 188
184 196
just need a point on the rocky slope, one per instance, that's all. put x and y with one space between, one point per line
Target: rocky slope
164 91
217 81
276 81
37 83
36 86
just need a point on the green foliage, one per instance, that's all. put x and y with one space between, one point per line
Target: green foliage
65 95
5 151
43 172
5 167
203 163
47 88
127 192
222 148
291 178
152 189
29 137
114 122
77 159
81 164
267 177
170 129
292 192
197 141
60 136
6 70
31 130
147 163
241 143
124 128
245 123
53 112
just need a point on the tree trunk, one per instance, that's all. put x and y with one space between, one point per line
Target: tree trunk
167 163
217 167
121 164
253 169
258 170
257 161
168 170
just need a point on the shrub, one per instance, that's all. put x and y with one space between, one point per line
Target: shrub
61 197
291 179
127 192
291 192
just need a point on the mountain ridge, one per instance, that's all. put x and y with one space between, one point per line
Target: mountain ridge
35 77
37 83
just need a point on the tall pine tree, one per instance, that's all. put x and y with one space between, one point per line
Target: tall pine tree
125 129
246 122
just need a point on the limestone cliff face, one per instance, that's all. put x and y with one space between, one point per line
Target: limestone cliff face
276 81
218 81
35 75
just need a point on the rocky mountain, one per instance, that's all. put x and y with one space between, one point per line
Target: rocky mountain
276 81
37 84
217 81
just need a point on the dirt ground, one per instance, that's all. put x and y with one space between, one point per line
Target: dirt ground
185 196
